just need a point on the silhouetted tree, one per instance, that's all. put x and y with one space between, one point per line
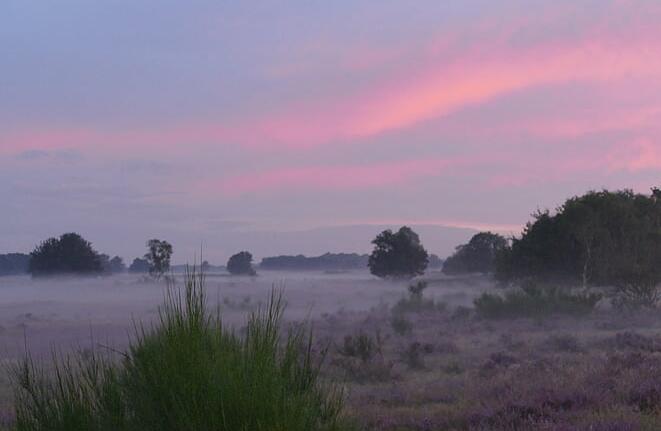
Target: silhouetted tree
205 266
158 257
139 266
398 255
241 264
479 255
68 254
598 239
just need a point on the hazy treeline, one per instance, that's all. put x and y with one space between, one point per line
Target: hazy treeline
14 263
328 261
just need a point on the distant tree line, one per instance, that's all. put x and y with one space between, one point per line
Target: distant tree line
72 254
14 263
325 262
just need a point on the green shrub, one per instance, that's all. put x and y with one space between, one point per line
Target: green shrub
187 373
533 301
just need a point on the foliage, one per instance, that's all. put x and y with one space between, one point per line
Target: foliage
139 266
416 302
188 373
401 325
361 345
326 262
112 266
14 263
435 261
68 254
479 255
398 255
533 301
601 239
241 264
158 256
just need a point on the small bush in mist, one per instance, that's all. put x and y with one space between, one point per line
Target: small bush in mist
533 301
361 357
416 302
187 373
361 345
401 325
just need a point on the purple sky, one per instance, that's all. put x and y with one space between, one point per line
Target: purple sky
203 121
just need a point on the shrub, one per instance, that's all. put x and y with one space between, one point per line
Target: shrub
361 346
564 343
401 325
414 354
415 302
186 373
532 301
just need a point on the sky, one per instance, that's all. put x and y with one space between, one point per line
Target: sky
202 121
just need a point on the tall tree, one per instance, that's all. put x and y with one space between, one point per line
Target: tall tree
158 256
479 255
601 238
398 255
241 264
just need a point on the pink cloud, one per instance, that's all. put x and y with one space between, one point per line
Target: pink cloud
453 80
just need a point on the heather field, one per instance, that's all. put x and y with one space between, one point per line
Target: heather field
404 362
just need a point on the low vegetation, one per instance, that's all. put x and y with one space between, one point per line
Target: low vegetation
534 301
187 373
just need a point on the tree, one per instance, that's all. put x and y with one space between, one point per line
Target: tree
158 257
139 266
241 264
112 266
398 255
479 255
601 238
68 254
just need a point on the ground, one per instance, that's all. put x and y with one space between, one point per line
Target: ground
407 366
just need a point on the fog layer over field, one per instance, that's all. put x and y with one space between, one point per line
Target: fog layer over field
65 313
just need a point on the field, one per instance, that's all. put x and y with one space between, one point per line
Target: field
404 365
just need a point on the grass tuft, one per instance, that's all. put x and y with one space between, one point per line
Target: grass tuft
187 373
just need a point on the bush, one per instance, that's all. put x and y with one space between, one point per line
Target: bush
532 301
187 373
401 325
415 302
361 346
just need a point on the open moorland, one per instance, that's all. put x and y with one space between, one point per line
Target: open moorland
405 360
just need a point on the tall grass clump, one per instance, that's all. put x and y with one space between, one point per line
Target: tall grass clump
187 372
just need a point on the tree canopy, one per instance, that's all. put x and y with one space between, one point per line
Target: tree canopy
158 257
600 238
398 255
479 255
139 266
241 264
68 254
